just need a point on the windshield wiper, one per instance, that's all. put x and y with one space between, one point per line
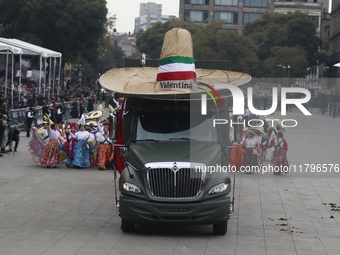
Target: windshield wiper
146 140
182 138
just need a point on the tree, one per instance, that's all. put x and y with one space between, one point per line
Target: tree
72 27
214 43
277 33
210 43
282 57
150 42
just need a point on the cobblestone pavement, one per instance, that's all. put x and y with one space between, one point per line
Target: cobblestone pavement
72 211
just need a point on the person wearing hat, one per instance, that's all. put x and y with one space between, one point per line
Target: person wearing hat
250 144
43 130
51 155
280 161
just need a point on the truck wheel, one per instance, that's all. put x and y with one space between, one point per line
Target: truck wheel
127 226
220 228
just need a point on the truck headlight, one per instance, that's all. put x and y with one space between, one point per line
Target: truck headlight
219 188
131 187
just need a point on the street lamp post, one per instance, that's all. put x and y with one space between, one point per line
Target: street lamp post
285 74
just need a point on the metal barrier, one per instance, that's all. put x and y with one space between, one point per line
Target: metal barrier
18 116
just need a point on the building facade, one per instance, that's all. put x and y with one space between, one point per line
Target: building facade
334 47
236 13
233 13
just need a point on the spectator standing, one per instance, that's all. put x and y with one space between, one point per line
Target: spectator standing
59 114
45 110
30 115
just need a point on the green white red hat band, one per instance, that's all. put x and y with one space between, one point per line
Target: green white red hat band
176 68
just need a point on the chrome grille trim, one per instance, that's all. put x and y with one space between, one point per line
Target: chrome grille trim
174 180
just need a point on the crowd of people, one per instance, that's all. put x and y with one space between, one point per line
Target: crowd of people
81 144
251 153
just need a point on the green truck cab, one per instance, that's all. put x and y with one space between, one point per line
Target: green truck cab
172 164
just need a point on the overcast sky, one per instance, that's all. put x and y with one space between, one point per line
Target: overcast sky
127 10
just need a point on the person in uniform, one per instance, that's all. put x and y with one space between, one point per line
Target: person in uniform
30 115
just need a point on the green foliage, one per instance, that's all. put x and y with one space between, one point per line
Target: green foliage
150 42
285 39
72 27
210 43
282 57
214 43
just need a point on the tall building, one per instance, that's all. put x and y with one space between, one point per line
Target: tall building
236 13
334 48
149 14
233 13
334 45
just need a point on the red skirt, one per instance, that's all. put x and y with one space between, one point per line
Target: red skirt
51 155
105 156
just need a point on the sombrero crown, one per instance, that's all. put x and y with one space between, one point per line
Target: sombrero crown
177 61
177 65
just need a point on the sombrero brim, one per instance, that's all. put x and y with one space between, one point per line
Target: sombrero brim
94 114
100 108
142 80
91 123
111 109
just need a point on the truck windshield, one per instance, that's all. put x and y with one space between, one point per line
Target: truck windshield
175 125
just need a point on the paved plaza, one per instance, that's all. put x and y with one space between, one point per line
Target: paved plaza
72 211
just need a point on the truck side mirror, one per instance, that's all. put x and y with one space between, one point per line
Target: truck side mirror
122 151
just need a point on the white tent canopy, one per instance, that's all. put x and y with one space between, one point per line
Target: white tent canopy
31 49
13 49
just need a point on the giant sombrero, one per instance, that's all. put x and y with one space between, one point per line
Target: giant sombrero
176 73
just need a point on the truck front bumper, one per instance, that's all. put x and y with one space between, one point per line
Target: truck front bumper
208 211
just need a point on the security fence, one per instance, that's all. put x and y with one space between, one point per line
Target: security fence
18 116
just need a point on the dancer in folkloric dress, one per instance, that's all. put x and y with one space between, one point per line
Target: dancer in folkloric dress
106 150
82 147
51 155
279 160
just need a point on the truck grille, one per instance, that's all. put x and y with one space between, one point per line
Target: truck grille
184 183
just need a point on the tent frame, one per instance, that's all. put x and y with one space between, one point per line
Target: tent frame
23 48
